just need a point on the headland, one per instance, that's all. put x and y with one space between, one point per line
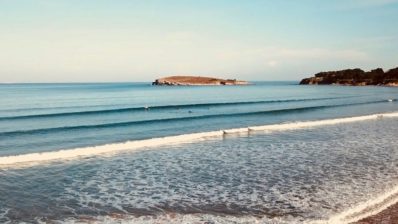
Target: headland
354 77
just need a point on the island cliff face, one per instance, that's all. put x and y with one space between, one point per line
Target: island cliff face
354 77
196 81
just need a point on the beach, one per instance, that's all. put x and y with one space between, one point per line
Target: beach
387 216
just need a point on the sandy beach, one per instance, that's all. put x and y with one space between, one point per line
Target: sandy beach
387 216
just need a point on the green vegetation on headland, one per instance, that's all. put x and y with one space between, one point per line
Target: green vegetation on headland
354 77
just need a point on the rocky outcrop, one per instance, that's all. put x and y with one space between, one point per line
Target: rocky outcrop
354 77
195 81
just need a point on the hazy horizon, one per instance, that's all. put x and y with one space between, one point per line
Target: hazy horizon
138 41
145 81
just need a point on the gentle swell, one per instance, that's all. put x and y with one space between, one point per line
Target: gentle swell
182 106
35 158
166 120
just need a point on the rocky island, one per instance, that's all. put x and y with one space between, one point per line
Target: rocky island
354 77
195 81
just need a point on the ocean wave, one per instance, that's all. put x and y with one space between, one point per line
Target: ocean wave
36 158
164 107
178 119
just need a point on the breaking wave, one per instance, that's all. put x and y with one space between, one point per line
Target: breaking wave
167 120
34 158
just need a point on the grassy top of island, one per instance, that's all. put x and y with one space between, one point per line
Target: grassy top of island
354 77
196 81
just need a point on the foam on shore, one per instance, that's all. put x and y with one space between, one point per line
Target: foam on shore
32 159
366 209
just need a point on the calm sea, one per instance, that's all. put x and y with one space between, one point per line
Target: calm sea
288 176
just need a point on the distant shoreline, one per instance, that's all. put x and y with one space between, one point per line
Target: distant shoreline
354 77
196 81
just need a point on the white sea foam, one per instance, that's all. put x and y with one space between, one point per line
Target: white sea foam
32 159
309 124
236 130
346 189
366 209
187 219
351 215
3 218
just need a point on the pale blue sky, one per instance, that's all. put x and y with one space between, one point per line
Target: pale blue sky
129 40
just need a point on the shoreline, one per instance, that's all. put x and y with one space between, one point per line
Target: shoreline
354 77
386 216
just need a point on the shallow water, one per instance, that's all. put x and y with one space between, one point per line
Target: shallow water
286 176
290 176
48 117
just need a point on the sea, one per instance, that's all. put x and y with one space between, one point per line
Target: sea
270 152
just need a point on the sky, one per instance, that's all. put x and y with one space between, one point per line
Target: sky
132 41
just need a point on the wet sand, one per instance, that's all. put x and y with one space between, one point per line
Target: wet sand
387 216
